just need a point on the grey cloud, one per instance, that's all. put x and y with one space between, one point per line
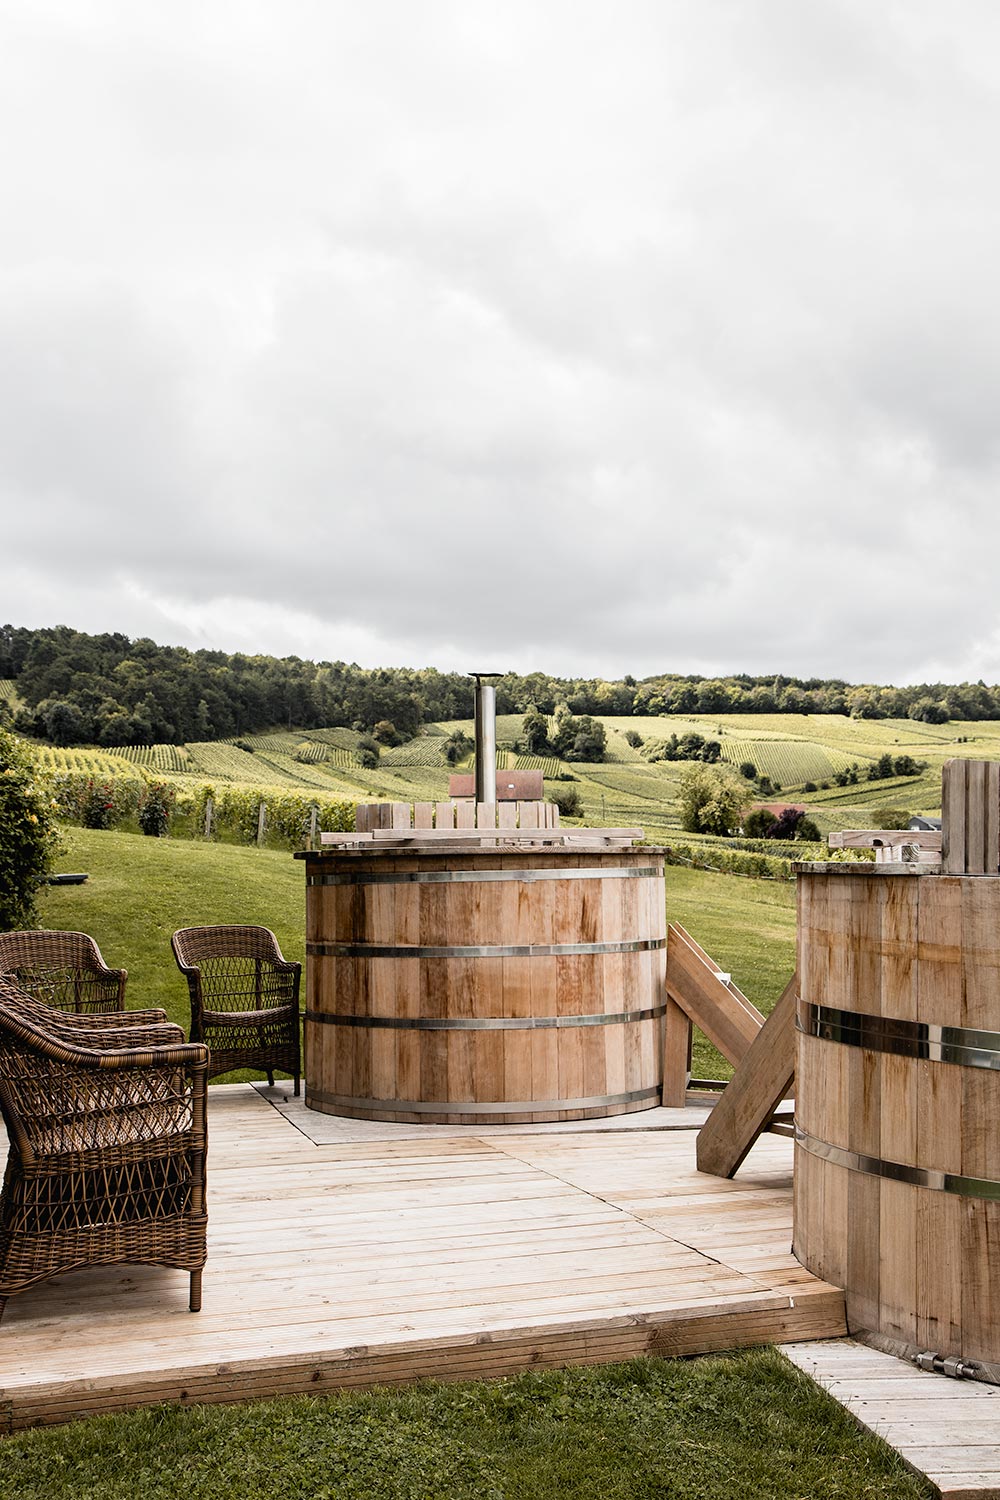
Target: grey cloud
631 336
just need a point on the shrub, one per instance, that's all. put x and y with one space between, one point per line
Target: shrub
891 817
633 739
156 808
99 804
567 799
457 746
367 753
758 823
580 738
535 732
385 733
95 802
787 824
712 799
749 770
882 769
244 745
28 839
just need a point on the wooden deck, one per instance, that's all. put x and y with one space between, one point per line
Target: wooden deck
380 1262
947 1430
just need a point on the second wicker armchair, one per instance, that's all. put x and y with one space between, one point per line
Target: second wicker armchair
65 969
244 998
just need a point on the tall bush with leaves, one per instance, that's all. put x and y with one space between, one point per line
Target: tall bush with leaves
28 839
712 799
156 809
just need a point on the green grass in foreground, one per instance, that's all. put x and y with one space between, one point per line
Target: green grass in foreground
140 890
744 1424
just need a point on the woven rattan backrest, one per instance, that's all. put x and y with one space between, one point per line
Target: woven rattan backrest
63 969
239 968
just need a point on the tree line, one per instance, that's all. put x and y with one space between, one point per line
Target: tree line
109 690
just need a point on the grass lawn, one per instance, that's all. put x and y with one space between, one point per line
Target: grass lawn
748 927
141 889
746 1424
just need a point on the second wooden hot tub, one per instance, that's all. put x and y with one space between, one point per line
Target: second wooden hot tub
484 985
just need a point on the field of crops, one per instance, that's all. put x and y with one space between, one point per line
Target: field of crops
311 752
854 737
425 750
8 690
918 794
163 758
626 790
787 762
279 740
509 727
89 762
222 762
293 771
338 737
618 750
549 765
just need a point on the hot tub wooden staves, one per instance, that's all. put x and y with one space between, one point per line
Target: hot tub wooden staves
484 986
897 1174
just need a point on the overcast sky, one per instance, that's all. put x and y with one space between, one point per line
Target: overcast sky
590 336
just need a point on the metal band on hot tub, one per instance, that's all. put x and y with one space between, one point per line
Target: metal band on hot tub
454 1107
918 1039
500 950
877 1166
450 877
494 1023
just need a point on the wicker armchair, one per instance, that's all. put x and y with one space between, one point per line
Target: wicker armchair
63 968
107 1149
244 998
116 1028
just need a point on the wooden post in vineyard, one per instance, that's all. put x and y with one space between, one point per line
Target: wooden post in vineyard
313 825
261 823
209 815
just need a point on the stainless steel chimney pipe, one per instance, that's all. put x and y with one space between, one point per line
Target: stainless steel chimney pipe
486 737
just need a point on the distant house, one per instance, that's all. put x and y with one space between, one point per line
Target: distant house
925 825
512 786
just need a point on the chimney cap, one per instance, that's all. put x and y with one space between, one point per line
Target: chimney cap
487 674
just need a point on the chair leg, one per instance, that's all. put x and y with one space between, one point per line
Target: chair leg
195 1302
295 1091
3 1304
270 1077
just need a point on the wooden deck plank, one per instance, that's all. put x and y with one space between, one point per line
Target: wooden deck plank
948 1430
386 1261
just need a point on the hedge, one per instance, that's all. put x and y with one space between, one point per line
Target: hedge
121 802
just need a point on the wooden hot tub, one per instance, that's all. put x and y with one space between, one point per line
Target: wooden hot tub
487 985
897 1162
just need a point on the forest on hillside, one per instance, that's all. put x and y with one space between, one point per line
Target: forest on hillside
76 688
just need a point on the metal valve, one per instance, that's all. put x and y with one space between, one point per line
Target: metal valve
938 1364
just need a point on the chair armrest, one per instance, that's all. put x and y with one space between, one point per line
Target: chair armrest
62 1099
87 1020
133 1037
